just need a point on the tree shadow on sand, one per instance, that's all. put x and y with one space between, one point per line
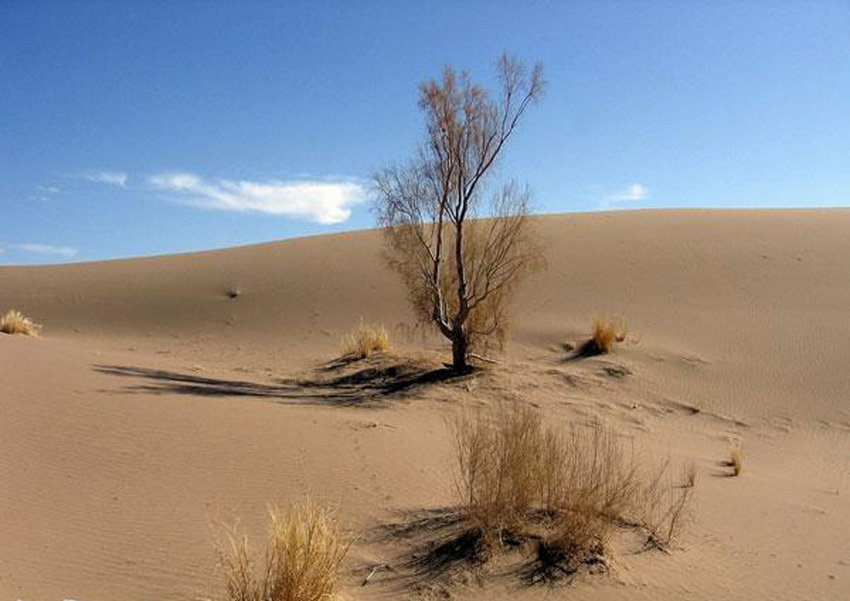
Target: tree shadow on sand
344 382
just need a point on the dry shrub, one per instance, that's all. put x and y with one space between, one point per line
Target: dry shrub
365 340
736 461
590 481
606 332
569 489
14 322
498 454
303 554
513 471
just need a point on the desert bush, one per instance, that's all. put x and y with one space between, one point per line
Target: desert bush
365 340
498 455
514 472
590 481
566 488
14 322
605 333
303 554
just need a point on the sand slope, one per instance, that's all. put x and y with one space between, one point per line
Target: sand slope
156 403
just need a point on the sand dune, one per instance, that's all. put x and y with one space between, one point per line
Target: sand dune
170 392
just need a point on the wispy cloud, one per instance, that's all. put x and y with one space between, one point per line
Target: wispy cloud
45 249
321 201
46 192
115 178
634 193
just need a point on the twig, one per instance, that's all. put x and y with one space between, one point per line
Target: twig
484 359
375 568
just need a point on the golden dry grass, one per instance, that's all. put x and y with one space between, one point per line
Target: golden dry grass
498 454
608 331
591 480
515 474
301 562
366 339
14 322
513 470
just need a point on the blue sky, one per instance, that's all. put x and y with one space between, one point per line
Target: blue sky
143 127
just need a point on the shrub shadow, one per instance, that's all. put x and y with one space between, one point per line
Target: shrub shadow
588 348
440 544
442 548
552 564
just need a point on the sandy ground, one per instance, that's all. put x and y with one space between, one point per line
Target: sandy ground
158 403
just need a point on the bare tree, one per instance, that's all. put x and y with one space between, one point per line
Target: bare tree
461 272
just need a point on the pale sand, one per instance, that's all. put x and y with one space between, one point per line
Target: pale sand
154 404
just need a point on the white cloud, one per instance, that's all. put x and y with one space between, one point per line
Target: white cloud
115 178
321 201
45 249
45 193
634 193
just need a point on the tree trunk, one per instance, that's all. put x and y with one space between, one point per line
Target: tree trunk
459 351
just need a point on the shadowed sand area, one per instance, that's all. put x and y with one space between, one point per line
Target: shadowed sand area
158 402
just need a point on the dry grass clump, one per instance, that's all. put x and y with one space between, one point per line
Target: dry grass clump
736 461
303 554
606 332
500 472
365 340
14 322
515 474
566 489
590 481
